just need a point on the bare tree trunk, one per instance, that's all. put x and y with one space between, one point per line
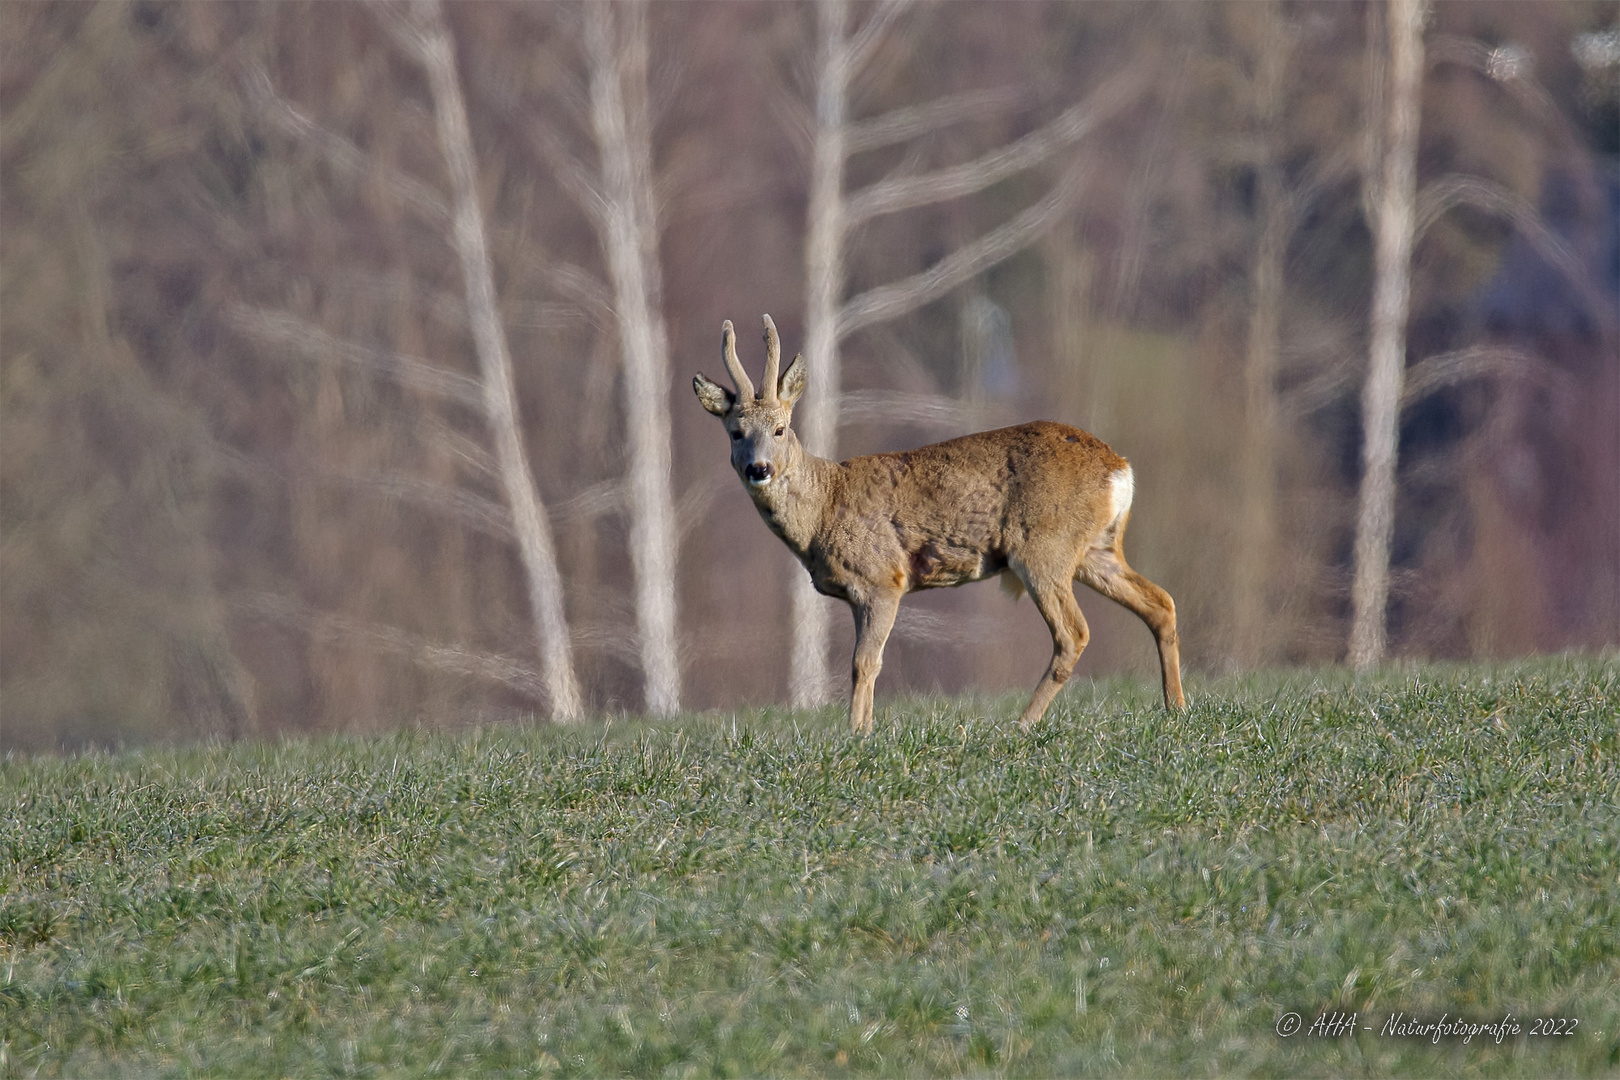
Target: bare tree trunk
529 524
808 682
1253 559
1393 228
629 230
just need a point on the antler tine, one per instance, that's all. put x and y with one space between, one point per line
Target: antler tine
728 349
773 359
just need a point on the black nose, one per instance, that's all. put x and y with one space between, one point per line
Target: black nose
759 471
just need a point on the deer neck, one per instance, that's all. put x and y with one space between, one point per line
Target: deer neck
794 503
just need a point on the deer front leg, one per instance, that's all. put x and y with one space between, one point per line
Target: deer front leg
874 618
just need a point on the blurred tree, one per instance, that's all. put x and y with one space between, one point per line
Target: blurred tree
618 198
422 33
1392 191
624 207
111 624
1402 213
428 37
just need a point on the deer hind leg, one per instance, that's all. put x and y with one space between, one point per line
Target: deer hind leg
1055 599
1105 570
874 618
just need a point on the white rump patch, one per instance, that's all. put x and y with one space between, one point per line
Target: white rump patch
1122 486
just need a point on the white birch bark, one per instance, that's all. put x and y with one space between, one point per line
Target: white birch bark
529 525
616 49
809 683
1394 225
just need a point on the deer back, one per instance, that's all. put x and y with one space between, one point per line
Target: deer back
959 510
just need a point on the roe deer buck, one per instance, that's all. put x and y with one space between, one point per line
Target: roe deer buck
1042 501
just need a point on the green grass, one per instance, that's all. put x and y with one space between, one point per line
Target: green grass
1118 891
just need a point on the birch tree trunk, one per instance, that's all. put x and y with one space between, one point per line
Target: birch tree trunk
627 222
529 525
1393 229
809 683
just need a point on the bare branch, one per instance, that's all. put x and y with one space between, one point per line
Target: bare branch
899 406
472 510
607 639
1448 369
1506 65
688 190
1453 189
860 48
586 302
904 124
343 154
548 316
1473 451
475 511
897 298
402 25
573 283
690 507
1323 173
281 328
905 192
580 286
796 118
945 628
1313 394
581 182
1457 189
363 283
1321 357
466 451
606 497
325 626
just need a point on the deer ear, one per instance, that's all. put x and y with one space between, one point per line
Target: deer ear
793 382
714 397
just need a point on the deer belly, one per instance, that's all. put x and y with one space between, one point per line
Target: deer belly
935 565
828 587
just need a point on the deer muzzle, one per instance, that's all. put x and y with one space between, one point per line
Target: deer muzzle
759 473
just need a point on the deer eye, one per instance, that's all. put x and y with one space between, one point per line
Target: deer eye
779 431
735 435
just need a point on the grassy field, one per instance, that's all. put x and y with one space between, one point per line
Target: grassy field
1119 891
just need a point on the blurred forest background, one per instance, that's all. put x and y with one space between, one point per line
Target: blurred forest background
255 473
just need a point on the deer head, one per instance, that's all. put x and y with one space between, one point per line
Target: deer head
763 446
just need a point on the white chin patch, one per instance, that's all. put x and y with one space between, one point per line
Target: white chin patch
761 483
